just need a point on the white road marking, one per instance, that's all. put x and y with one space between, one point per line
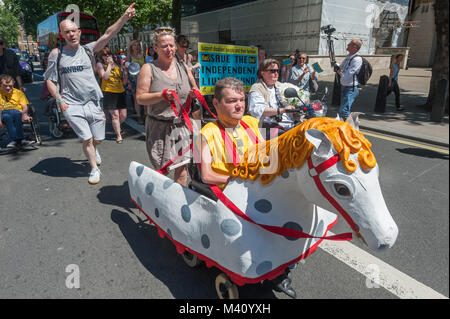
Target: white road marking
388 277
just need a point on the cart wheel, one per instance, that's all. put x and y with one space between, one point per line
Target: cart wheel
225 288
190 259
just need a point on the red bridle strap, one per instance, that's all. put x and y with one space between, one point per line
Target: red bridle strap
314 172
283 231
184 111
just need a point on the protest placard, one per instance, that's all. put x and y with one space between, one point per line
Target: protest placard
221 60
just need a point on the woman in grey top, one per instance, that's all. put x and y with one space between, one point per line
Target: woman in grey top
166 133
301 72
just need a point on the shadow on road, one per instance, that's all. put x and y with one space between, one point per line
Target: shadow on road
160 258
62 167
116 196
423 153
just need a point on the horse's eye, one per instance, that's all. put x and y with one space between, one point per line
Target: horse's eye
342 190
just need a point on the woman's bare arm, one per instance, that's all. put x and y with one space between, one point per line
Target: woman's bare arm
143 96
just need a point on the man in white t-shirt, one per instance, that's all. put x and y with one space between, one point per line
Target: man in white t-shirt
79 94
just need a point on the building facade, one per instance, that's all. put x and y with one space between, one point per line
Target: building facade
422 35
26 43
282 26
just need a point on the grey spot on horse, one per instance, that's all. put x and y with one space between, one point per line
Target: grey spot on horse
295 226
186 213
205 241
139 170
149 188
263 206
169 233
230 227
157 212
167 184
264 268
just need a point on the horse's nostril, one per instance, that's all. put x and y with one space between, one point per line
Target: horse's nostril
383 247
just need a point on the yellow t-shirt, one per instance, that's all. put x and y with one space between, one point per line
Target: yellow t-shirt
114 84
13 101
222 162
141 60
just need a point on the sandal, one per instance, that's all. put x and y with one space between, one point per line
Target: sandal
119 141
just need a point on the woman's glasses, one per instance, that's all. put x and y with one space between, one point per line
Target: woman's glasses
273 71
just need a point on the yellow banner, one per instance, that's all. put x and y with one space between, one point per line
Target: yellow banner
226 48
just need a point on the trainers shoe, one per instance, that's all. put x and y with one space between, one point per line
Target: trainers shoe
94 176
12 144
98 158
26 143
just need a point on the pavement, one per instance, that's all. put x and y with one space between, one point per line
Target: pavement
413 123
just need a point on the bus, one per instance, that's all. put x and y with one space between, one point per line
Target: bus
49 37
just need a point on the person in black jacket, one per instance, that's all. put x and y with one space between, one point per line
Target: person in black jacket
9 64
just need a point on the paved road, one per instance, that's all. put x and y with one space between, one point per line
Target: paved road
50 218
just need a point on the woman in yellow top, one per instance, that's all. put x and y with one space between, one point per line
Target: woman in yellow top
113 89
135 54
216 160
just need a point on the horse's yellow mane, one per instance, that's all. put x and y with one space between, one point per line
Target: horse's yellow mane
293 149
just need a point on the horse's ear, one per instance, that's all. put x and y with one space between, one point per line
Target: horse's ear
353 119
321 142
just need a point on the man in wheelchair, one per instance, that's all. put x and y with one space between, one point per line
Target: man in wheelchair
225 141
218 156
13 111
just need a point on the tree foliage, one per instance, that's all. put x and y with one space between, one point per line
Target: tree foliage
8 26
148 12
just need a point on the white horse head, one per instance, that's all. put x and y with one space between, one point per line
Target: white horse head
357 194
350 189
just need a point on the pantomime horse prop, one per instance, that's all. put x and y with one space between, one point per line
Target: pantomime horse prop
322 167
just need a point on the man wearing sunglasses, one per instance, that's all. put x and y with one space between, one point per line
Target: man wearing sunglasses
9 64
266 103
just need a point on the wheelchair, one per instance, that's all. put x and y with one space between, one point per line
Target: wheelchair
30 129
57 124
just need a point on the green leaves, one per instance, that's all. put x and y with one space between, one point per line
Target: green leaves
148 12
8 26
